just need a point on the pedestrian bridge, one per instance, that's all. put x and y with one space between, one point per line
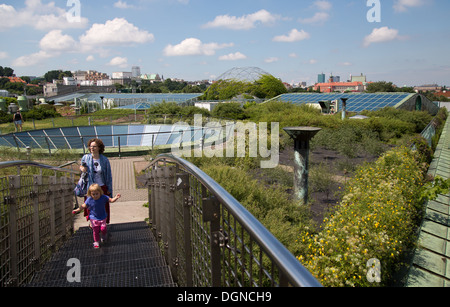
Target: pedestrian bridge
197 235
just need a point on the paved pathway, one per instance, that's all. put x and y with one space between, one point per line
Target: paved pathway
130 207
431 261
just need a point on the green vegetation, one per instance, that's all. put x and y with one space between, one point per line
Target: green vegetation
380 205
265 87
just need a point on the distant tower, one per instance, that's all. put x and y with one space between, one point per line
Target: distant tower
321 78
135 71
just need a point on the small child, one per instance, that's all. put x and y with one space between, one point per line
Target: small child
96 202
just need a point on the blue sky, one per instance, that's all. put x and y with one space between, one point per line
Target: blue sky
201 39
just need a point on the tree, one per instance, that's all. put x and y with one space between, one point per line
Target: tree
381 86
230 110
56 75
6 71
269 87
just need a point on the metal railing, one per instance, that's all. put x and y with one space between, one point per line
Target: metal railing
35 219
208 238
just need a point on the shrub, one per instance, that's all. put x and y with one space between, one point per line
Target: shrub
273 207
377 218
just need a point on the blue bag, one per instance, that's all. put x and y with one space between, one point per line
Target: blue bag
82 186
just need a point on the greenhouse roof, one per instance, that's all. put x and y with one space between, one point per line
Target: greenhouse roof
356 102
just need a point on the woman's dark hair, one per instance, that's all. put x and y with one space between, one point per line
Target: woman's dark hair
101 146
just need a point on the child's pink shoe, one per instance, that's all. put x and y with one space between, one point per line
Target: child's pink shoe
96 245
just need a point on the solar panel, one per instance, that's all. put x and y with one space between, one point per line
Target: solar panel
163 138
72 136
56 138
149 139
356 102
117 132
105 134
135 140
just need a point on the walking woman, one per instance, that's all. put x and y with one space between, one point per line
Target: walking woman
99 171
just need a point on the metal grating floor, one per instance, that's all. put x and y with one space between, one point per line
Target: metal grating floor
130 257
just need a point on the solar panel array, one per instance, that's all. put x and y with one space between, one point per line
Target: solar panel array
356 102
130 136
124 99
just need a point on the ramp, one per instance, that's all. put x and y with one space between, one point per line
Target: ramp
130 257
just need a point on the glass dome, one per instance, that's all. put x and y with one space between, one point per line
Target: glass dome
247 74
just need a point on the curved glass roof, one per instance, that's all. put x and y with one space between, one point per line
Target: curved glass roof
124 99
356 102
111 135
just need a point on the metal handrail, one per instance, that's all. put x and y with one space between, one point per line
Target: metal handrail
297 274
7 164
35 219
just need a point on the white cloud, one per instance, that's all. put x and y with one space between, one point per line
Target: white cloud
119 61
233 57
318 18
39 16
194 46
294 36
123 5
245 22
3 55
271 60
33 59
90 58
381 35
115 32
403 5
323 5
56 41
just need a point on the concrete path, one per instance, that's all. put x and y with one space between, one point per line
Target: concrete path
129 208
431 260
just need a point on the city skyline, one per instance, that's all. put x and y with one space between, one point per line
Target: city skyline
198 39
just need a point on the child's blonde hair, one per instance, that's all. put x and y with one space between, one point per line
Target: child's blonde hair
94 187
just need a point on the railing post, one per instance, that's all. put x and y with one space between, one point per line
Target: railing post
211 213
171 243
37 180
160 197
51 202
183 184
14 185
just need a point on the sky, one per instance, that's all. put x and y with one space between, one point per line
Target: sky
401 41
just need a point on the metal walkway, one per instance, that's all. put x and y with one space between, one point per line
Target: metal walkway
130 257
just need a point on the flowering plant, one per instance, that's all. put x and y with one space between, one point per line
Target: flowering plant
377 219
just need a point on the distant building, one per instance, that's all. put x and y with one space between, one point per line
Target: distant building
339 87
4 93
321 78
69 81
93 75
122 77
428 88
334 79
135 71
16 80
79 75
152 77
361 78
